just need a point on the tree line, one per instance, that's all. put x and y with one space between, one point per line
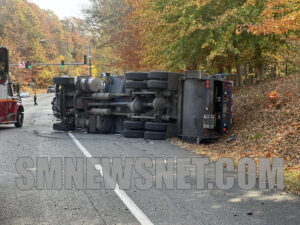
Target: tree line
251 39
39 36
219 36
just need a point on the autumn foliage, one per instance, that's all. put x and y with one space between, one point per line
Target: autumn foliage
23 25
278 17
212 35
218 36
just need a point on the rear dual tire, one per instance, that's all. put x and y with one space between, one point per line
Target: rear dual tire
150 84
134 129
156 131
136 76
157 84
152 80
150 135
161 127
134 125
141 76
157 75
135 85
133 133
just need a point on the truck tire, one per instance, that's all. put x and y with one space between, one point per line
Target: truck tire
20 119
133 133
150 126
134 125
157 84
63 127
150 135
136 76
157 75
135 85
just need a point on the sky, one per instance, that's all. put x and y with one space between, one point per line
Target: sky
63 8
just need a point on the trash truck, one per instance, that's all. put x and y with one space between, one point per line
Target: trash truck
153 105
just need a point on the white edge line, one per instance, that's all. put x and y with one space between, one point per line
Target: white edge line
134 209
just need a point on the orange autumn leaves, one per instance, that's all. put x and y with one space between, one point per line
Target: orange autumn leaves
279 17
275 99
191 34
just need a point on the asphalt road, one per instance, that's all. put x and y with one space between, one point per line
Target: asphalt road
37 139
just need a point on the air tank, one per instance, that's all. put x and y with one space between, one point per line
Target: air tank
90 84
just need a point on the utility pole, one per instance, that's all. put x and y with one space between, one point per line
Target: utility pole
90 60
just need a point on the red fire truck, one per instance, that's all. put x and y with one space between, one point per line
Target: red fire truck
11 108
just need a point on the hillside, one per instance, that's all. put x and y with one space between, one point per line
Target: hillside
39 36
266 124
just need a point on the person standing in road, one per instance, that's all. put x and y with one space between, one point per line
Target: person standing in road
35 99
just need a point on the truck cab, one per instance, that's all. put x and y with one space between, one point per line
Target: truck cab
11 108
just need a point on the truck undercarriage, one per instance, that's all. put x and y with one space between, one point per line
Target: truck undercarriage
155 105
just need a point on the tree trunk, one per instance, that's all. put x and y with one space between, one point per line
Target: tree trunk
239 80
229 69
251 69
260 72
274 71
244 74
259 65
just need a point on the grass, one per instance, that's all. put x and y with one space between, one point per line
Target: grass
292 182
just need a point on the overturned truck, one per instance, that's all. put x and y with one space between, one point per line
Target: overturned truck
154 105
